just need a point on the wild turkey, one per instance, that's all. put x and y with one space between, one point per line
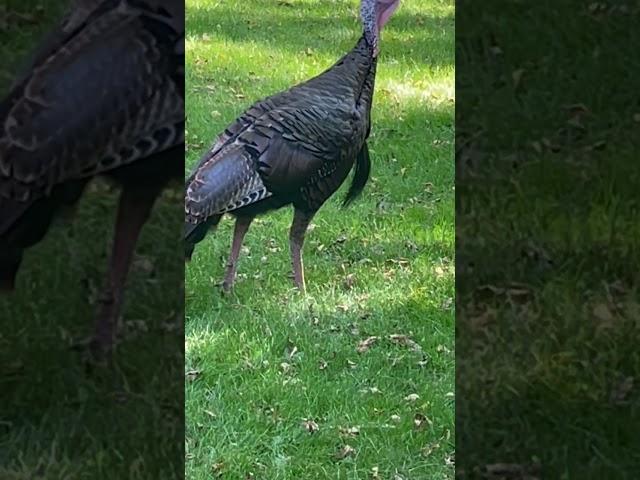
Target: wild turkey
102 95
296 147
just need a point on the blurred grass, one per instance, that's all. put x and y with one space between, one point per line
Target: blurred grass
57 421
547 238
264 361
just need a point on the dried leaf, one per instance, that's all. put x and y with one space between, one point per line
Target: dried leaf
143 264
349 281
217 468
621 390
512 470
602 312
536 146
310 426
285 367
343 307
429 449
373 390
577 109
366 344
447 303
344 452
420 421
405 341
516 76
193 375
350 431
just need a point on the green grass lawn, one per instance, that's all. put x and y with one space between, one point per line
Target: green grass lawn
57 421
275 385
548 247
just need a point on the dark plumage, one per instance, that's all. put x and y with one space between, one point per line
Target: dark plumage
296 147
102 95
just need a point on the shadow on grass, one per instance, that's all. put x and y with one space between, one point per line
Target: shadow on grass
59 419
596 437
538 375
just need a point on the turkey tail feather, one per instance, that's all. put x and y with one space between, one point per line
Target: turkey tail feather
360 176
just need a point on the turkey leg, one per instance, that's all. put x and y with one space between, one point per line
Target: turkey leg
301 220
240 230
133 211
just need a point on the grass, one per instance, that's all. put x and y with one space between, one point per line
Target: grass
57 421
548 252
275 386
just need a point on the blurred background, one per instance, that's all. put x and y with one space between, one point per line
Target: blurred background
57 419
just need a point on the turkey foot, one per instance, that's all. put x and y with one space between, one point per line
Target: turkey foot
239 232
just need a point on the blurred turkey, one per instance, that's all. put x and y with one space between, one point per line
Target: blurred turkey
296 147
102 95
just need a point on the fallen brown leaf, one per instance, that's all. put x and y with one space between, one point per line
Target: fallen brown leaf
310 426
516 76
344 452
512 471
285 367
366 344
349 281
193 375
373 390
621 390
412 397
405 341
603 313
217 468
420 421
429 449
350 431
343 307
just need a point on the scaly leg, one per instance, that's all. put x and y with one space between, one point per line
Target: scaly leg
299 226
240 230
133 211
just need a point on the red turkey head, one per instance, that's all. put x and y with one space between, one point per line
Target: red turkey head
375 14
